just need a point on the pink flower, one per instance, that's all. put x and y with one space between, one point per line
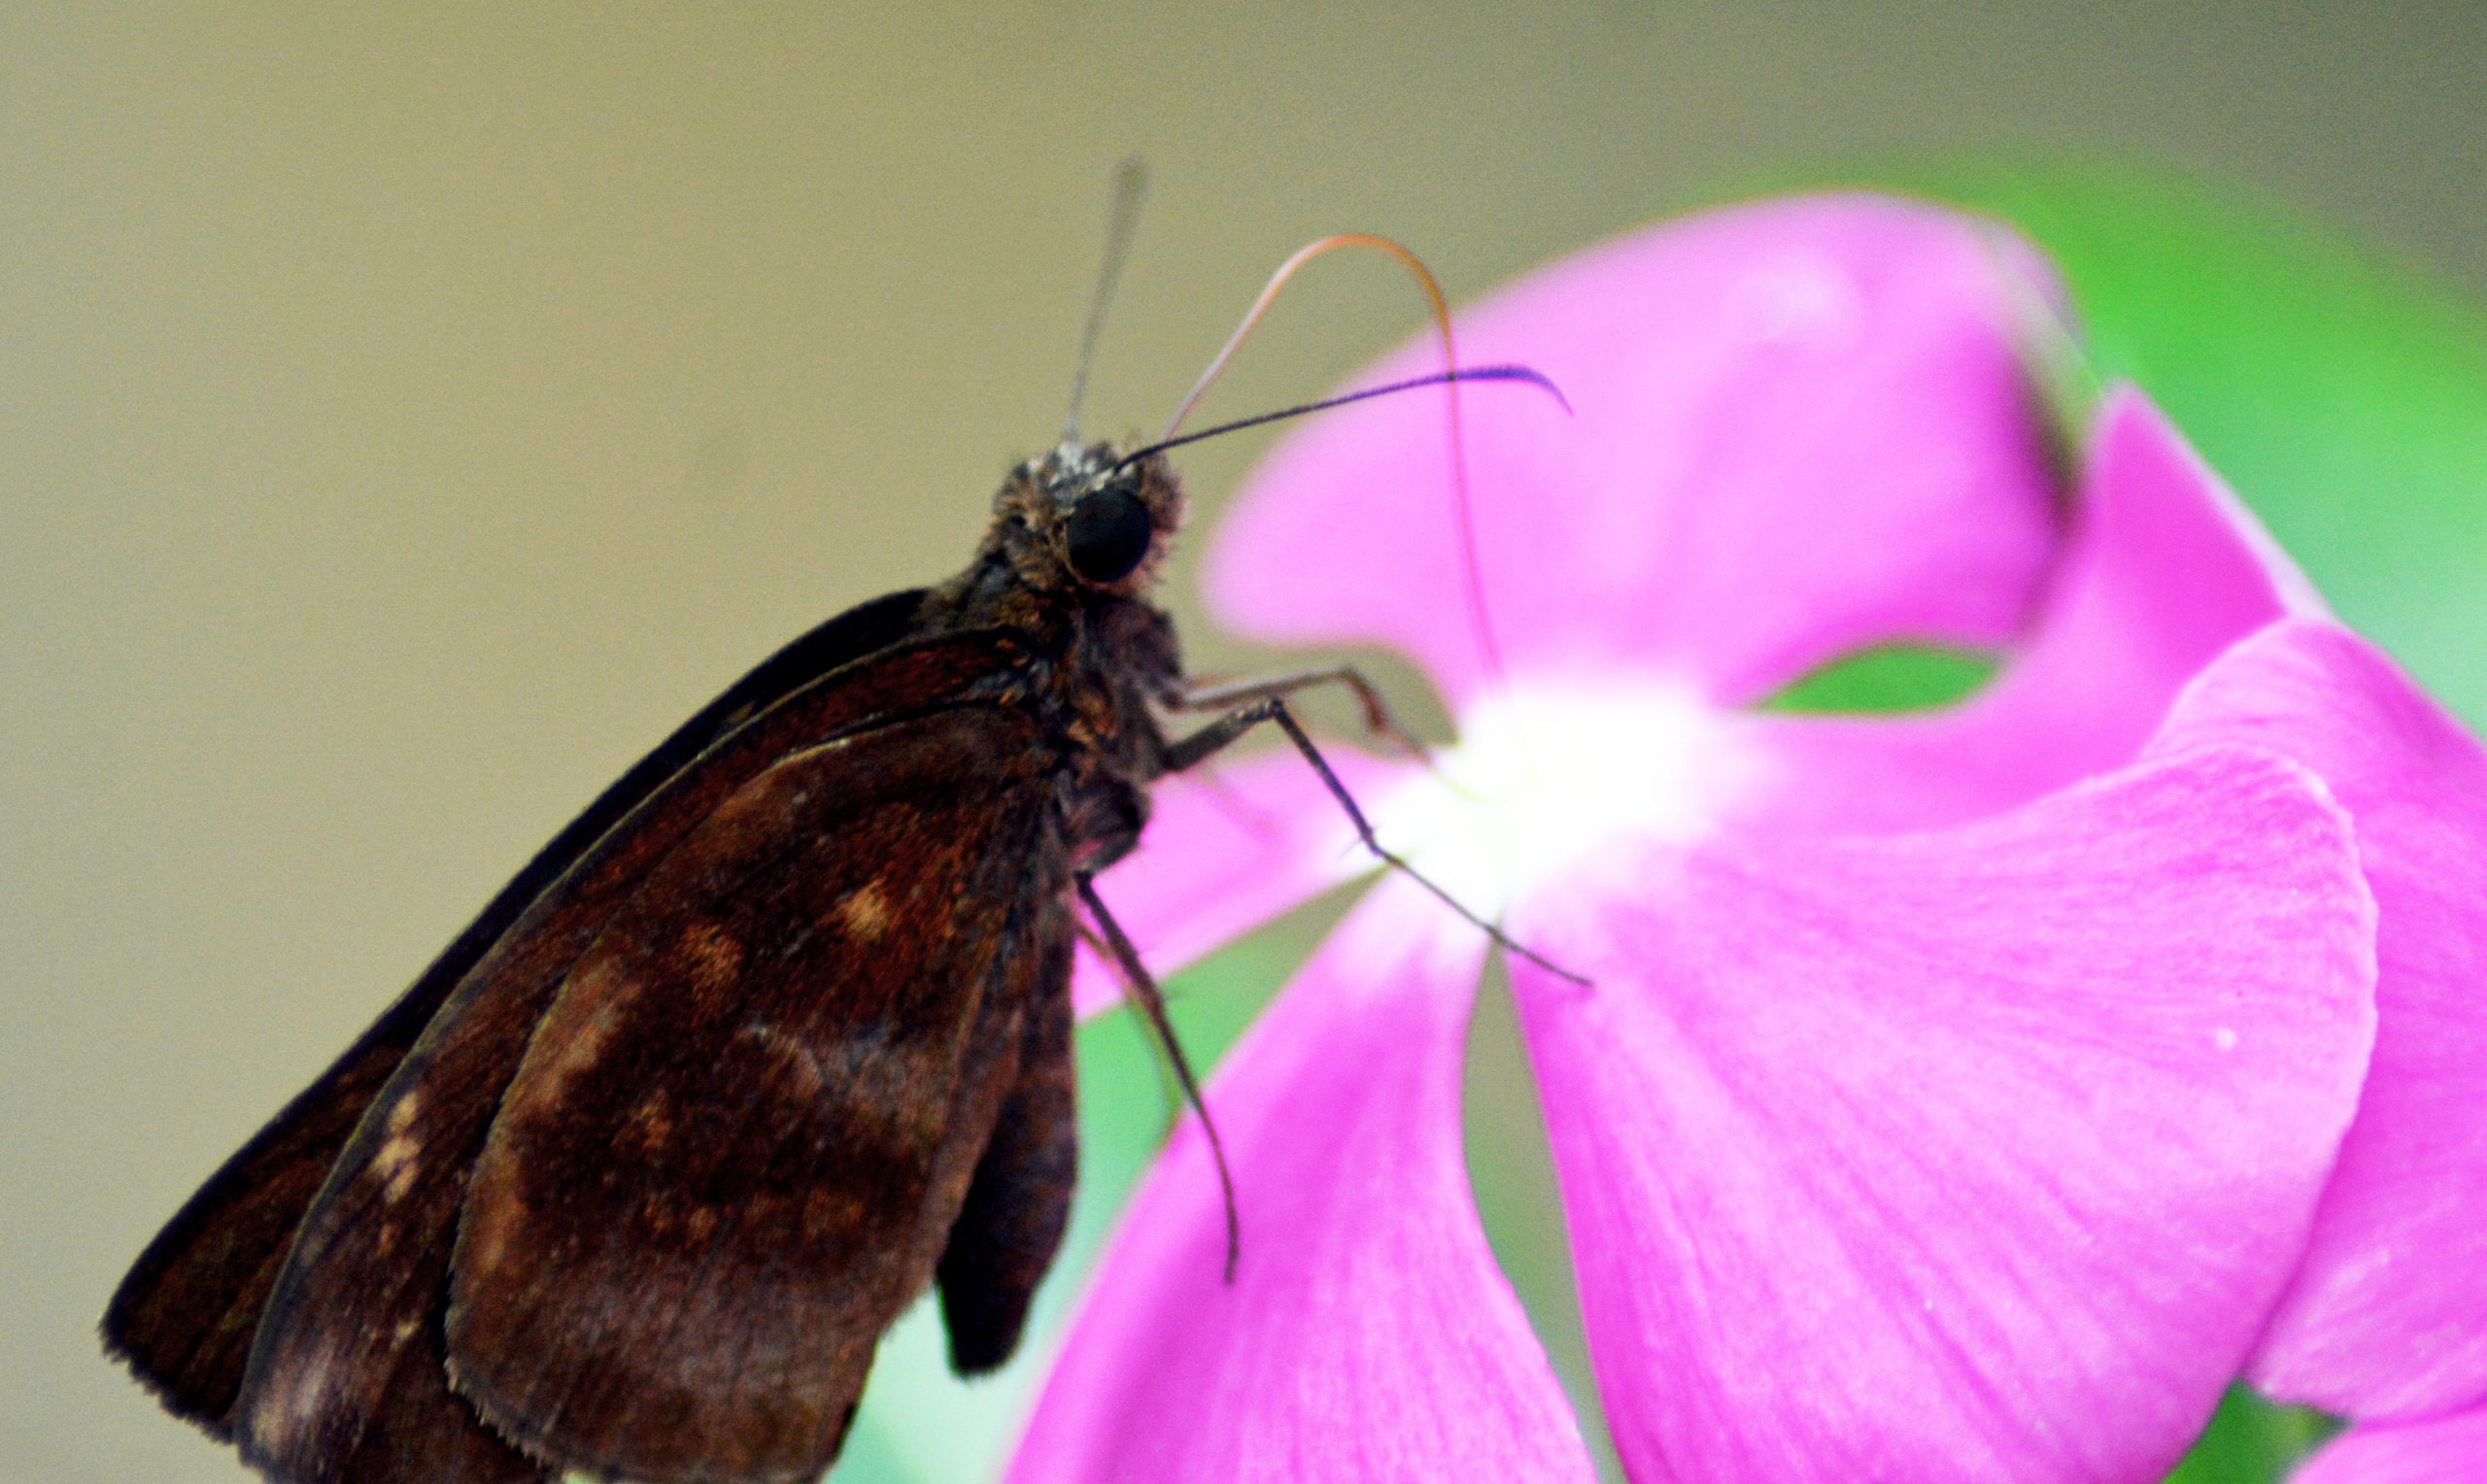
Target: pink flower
2388 1319
1958 1094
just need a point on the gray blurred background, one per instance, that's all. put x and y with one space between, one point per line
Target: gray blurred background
405 417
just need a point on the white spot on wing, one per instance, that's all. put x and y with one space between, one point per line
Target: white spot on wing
296 1395
394 1164
805 1061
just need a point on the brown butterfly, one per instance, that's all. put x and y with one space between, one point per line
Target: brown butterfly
773 1038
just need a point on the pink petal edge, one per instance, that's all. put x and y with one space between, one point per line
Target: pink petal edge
2447 1450
1368 1334
2163 571
1975 1155
2389 1316
1802 425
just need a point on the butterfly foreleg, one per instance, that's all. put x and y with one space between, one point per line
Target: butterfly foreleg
1378 717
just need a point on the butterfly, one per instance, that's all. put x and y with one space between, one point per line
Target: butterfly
771 1039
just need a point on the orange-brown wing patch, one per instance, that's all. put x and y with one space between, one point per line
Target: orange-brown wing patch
740 1138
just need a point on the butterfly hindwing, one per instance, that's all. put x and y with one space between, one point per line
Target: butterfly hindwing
739 1139
1016 1209
350 1355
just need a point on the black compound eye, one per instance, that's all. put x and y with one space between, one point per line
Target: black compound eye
1107 535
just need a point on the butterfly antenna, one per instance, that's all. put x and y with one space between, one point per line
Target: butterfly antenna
1122 221
1487 646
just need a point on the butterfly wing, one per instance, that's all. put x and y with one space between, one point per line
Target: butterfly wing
183 1317
739 1140
1019 1203
349 1357
346 1375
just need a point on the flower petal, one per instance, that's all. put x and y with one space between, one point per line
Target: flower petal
1368 1334
2165 571
2447 1450
1801 427
2389 1315
1977 1154
1227 850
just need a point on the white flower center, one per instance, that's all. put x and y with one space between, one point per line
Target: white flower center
1547 778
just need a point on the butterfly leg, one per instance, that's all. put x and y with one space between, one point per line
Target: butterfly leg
1190 751
1378 718
1151 999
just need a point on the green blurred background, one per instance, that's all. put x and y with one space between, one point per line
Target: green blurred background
408 415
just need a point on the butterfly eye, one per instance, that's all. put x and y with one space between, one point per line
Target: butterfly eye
1107 533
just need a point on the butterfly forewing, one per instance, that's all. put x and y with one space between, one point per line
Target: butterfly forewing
184 1316
350 1352
783 1059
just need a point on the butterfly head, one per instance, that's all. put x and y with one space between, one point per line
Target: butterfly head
1083 521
